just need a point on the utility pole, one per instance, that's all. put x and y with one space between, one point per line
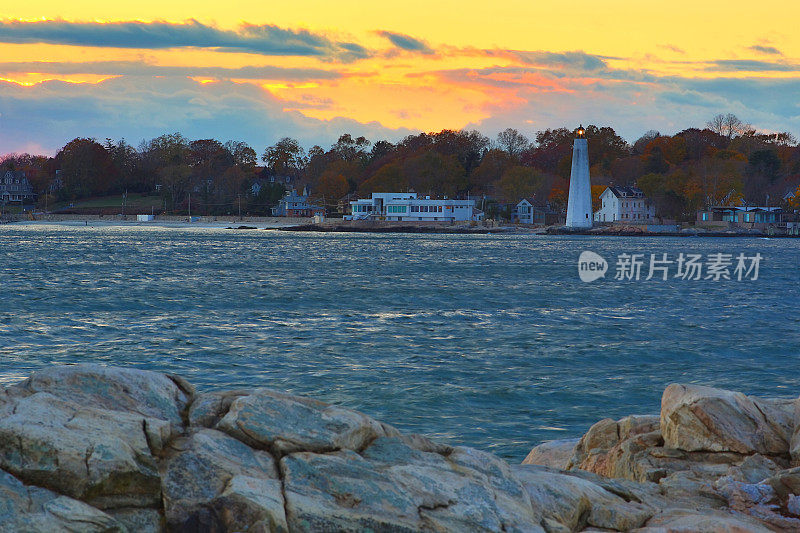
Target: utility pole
239 197
190 206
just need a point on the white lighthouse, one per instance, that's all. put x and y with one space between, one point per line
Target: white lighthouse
579 204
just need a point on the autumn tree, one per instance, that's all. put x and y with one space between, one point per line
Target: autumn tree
552 151
519 182
642 142
333 184
763 170
243 155
86 168
467 147
167 156
349 149
435 174
597 190
494 164
388 178
286 158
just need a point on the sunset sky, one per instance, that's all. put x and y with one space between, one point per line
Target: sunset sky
247 70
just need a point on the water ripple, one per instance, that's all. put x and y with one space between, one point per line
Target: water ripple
489 341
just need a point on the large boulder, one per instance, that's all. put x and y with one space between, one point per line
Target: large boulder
575 503
391 486
282 423
99 456
28 508
149 394
608 433
208 472
697 418
693 521
554 453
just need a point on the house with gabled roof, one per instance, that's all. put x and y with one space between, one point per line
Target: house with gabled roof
528 211
15 187
625 205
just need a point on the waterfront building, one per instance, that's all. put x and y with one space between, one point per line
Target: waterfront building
296 205
626 205
15 187
407 207
579 203
527 211
731 216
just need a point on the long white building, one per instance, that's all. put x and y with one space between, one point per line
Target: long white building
407 207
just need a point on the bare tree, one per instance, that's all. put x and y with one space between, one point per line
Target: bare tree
728 125
717 124
733 126
512 142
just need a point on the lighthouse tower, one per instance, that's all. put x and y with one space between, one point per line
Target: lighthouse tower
579 205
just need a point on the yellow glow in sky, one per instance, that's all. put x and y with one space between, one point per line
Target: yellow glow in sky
474 72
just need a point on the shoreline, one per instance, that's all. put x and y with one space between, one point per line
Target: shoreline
338 226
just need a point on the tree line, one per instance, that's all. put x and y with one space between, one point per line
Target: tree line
724 163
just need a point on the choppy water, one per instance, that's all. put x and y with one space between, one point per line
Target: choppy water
488 341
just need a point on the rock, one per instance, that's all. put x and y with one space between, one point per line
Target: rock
688 521
139 520
697 418
27 508
145 452
793 505
208 408
785 483
199 469
630 491
689 490
251 504
149 394
575 503
753 468
743 496
101 457
794 442
284 424
393 487
608 433
555 453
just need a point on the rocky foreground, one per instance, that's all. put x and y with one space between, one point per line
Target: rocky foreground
91 448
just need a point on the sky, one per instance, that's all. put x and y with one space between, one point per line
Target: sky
312 70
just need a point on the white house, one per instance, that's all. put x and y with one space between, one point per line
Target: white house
627 205
405 206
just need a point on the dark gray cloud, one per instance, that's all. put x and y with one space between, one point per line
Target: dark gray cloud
576 60
771 50
752 65
256 39
132 68
406 42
